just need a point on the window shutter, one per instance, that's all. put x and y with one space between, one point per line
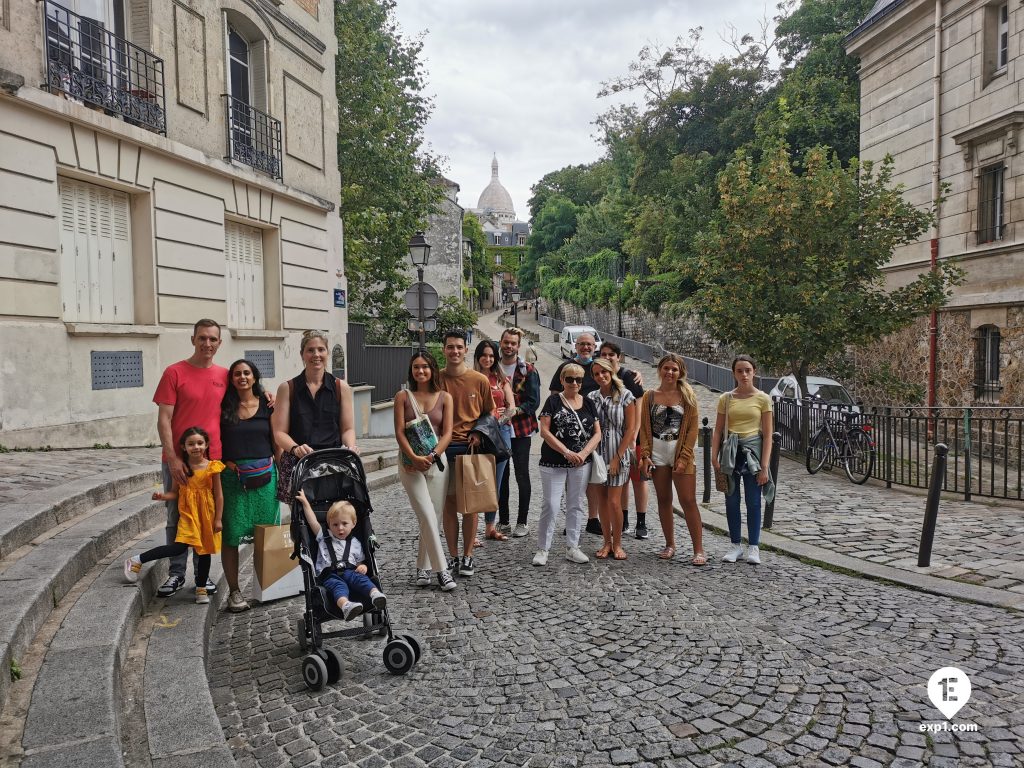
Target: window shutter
258 75
139 23
243 253
69 273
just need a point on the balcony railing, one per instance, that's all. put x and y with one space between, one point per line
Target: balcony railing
87 62
253 137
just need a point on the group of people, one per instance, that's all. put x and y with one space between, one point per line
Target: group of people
600 431
229 448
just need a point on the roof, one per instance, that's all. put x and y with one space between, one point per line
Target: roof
495 197
879 11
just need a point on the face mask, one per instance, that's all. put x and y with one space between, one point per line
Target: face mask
584 360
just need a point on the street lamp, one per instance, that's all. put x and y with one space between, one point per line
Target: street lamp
515 307
419 254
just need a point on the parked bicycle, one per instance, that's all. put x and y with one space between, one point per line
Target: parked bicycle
844 439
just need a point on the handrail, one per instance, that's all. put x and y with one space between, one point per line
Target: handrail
253 136
86 61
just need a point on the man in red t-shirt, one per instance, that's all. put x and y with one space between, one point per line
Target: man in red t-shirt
188 395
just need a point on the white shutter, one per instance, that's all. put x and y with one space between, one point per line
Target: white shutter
139 23
258 75
243 255
96 269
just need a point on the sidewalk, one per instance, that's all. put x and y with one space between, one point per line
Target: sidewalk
978 551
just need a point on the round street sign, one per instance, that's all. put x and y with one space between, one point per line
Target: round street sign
430 299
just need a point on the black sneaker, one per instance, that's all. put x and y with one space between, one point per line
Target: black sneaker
466 567
211 588
594 527
641 531
453 566
172 585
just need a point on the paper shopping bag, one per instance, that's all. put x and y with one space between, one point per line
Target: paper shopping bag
277 575
476 489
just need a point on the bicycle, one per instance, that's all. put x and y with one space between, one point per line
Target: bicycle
843 441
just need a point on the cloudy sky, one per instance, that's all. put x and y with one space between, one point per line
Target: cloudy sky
520 79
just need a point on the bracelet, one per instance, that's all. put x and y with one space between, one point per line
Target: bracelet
292 449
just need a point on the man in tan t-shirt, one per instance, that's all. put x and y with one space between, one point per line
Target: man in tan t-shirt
471 396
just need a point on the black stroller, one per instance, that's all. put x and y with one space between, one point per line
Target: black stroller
327 476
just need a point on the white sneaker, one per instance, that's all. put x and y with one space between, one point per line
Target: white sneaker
445 581
132 566
237 603
733 555
753 555
351 609
540 557
576 555
422 578
521 529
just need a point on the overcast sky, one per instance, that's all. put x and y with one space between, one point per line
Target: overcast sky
520 79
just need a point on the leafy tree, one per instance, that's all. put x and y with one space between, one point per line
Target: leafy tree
791 267
478 267
452 313
386 175
580 184
552 227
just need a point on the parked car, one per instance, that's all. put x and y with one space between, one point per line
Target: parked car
567 341
822 391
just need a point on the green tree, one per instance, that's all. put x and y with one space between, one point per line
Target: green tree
386 175
552 227
477 269
791 267
452 313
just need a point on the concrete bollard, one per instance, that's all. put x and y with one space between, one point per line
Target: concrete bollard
931 508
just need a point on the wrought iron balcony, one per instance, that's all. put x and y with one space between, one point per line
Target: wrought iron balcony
253 137
87 62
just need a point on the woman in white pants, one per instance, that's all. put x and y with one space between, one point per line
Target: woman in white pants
420 474
570 429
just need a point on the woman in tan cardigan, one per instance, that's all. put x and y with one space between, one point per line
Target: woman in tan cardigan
668 433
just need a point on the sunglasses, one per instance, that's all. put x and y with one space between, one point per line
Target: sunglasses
573 380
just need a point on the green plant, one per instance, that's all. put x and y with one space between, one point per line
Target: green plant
15 671
100 446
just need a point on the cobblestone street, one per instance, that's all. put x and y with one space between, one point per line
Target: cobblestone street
638 662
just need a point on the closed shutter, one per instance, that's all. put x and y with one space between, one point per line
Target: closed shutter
258 75
96 266
243 255
139 23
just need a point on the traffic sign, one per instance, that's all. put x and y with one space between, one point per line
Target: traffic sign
428 325
430 299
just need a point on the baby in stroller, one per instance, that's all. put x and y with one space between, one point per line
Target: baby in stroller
340 565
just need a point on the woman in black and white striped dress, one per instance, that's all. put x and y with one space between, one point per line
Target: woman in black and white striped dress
617 412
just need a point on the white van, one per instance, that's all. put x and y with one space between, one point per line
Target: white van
567 341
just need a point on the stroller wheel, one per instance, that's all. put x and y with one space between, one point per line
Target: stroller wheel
414 644
398 656
300 633
335 666
314 672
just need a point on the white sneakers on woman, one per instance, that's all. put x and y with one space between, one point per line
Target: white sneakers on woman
737 553
540 557
576 555
753 555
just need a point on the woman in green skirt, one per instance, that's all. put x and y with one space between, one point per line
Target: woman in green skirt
250 480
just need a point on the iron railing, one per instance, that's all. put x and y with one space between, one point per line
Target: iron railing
986 453
384 367
88 62
253 137
715 377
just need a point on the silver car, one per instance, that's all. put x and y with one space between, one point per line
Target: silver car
822 391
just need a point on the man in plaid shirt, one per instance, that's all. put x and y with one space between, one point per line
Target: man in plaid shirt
526 388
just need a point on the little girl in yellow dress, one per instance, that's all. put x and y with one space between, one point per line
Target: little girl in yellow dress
200 512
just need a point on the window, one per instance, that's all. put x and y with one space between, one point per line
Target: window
243 255
990 204
95 254
1002 36
986 363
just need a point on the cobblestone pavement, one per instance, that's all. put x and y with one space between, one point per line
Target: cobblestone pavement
976 543
627 663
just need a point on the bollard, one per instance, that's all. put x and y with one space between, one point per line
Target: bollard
931 509
705 436
773 470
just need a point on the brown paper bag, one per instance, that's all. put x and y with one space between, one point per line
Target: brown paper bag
476 489
277 575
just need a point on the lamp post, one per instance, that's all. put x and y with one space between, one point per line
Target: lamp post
515 307
419 254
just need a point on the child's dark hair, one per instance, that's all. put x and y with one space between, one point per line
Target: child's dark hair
181 444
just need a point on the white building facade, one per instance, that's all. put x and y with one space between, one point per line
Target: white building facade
159 163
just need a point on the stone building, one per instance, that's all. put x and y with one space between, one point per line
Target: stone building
942 87
444 234
159 163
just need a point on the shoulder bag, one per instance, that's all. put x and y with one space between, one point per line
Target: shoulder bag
598 468
722 479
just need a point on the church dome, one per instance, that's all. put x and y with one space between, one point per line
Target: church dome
495 197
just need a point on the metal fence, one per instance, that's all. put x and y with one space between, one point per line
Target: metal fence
986 455
715 377
384 367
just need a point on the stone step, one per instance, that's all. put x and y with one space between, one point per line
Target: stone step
22 522
38 577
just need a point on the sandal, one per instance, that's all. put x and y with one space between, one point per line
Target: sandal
496 535
699 559
603 552
477 544
620 553
667 553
